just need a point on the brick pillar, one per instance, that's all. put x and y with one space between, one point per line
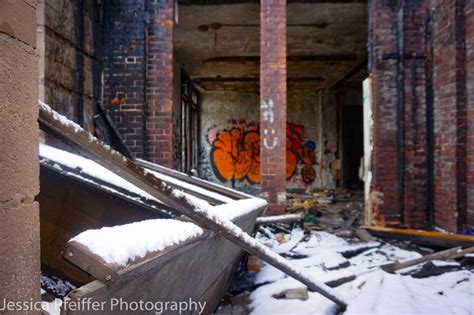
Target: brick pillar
385 190
160 82
273 102
19 171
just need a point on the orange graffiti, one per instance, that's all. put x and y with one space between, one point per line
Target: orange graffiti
235 156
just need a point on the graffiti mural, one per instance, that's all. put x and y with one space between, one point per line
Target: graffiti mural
235 153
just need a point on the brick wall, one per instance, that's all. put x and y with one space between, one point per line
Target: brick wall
385 182
124 70
405 48
449 113
273 102
160 82
70 61
414 99
138 76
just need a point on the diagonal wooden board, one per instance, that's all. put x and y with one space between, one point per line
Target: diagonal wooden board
95 150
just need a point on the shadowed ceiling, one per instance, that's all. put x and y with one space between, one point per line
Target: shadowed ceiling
218 45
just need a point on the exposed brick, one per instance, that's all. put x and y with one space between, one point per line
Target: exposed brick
273 101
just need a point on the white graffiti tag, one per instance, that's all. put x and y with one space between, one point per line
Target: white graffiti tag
270 140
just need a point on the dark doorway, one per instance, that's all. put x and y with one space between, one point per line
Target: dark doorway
353 145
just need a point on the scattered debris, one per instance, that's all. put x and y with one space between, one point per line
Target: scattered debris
352 268
330 210
253 263
291 294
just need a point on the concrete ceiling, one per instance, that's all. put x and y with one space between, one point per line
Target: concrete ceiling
218 45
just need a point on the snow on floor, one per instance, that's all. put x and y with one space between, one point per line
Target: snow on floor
122 244
328 257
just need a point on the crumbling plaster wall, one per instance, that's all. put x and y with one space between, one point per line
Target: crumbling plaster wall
19 171
70 61
233 116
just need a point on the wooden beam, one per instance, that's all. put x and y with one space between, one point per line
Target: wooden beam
219 189
451 253
423 237
280 218
294 58
138 176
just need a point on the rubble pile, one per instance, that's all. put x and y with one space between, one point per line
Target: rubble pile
329 210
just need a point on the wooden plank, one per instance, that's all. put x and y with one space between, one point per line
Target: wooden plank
280 218
423 237
138 176
451 253
109 132
200 274
219 189
69 206
94 265
445 254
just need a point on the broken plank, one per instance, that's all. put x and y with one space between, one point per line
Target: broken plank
280 218
445 254
429 238
451 253
193 180
137 175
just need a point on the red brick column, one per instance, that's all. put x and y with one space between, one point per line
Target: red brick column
273 102
385 190
160 82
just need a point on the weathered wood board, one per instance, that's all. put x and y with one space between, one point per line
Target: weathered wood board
201 274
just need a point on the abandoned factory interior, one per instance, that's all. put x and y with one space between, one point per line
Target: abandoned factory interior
237 157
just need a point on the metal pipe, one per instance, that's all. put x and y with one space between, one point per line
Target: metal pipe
145 85
401 111
429 122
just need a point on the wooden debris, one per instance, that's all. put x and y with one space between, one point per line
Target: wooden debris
337 282
451 253
117 163
280 218
106 131
429 238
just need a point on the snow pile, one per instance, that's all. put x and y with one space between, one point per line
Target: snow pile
327 257
121 244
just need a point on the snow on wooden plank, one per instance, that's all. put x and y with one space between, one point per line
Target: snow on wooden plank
108 252
200 213
280 218
122 244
